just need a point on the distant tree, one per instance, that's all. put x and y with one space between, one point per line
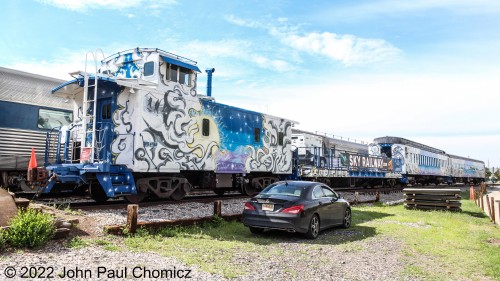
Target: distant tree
487 173
497 174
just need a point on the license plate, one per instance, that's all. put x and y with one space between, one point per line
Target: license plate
267 207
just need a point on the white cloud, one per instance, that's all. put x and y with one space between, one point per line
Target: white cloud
83 5
241 22
345 48
235 49
363 10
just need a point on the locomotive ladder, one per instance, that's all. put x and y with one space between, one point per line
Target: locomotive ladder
89 118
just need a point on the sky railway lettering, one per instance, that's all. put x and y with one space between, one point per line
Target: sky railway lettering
363 161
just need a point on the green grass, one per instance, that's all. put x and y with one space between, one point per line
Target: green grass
77 243
441 244
436 245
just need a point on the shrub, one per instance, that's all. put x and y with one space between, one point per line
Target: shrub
30 229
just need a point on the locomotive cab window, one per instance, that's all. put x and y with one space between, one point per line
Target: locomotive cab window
184 76
387 151
179 74
49 119
149 68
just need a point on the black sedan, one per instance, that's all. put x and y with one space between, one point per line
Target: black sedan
296 206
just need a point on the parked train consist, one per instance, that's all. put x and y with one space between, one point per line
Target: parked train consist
27 113
422 164
339 162
142 129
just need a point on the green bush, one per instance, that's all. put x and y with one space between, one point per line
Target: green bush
30 229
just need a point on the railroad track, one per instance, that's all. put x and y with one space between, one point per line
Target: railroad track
70 201
122 204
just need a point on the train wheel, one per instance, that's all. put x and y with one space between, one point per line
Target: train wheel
179 193
249 189
219 192
25 187
136 198
97 193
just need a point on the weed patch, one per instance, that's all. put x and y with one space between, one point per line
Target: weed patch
30 229
77 242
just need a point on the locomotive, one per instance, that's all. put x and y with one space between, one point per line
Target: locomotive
339 162
422 164
27 113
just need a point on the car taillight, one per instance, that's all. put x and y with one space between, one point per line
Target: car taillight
249 206
294 209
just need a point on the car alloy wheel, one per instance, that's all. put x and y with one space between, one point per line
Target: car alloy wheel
313 231
347 218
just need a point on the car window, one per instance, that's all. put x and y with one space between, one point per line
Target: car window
327 192
317 193
283 189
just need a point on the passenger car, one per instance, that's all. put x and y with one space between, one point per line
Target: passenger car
296 206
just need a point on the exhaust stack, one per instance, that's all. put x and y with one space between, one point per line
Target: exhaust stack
209 72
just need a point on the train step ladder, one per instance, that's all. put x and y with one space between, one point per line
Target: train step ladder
89 120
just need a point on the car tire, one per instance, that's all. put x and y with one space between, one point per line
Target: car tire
346 223
313 230
256 230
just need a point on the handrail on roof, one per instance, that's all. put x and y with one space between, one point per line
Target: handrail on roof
333 136
161 52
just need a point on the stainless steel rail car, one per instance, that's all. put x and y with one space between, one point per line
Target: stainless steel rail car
27 112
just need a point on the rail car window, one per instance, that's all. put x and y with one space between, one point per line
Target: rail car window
149 68
106 112
280 138
178 74
256 135
172 72
205 127
49 119
184 76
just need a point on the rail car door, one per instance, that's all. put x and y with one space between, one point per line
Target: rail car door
104 129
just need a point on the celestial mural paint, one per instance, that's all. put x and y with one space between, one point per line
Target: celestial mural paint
163 131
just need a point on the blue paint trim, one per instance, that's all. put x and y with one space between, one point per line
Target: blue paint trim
180 63
80 81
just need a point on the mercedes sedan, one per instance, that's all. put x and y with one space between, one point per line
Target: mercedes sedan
296 206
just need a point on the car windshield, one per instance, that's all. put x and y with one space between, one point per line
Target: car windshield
282 189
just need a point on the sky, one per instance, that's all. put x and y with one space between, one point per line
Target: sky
425 70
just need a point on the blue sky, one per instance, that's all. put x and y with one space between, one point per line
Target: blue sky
425 70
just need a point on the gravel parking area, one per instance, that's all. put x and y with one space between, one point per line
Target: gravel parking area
375 258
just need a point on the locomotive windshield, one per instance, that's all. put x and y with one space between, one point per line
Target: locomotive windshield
387 151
